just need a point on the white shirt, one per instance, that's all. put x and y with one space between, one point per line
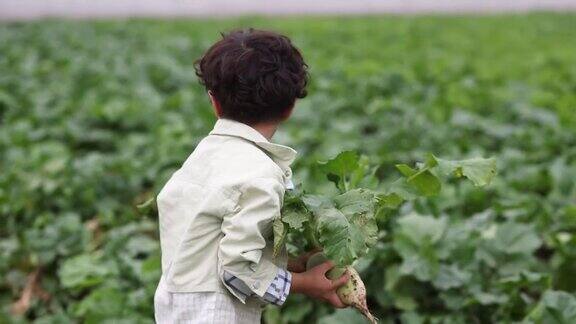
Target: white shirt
216 215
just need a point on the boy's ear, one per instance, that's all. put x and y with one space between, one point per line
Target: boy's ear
215 104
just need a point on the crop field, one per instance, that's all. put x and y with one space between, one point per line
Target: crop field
95 116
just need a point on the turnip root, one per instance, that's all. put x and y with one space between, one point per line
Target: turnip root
353 292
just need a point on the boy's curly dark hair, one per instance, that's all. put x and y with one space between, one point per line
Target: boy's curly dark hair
255 75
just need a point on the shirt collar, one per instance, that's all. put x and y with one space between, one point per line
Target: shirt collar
282 155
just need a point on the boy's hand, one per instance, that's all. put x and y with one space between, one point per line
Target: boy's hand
315 284
299 264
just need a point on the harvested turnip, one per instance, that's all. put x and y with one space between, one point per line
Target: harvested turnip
353 292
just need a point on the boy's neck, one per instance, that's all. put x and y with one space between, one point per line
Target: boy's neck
266 129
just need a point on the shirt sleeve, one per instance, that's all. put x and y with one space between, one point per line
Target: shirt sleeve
276 293
246 230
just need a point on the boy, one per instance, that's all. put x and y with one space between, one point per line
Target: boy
216 211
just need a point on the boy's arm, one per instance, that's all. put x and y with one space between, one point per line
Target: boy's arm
245 272
240 253
312 283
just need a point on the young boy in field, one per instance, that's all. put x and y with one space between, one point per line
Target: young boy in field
216 211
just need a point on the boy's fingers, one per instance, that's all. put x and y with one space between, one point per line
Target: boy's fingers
325 266
335 301
341 281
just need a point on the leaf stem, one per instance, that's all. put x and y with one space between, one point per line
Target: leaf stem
345 183
309 233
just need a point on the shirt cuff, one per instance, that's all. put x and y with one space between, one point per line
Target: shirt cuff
275 294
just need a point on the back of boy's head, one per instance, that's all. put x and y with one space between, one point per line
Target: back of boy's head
255 75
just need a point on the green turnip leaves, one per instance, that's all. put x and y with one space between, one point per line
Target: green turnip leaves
345 224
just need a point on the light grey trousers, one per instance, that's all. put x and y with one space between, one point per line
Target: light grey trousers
202 308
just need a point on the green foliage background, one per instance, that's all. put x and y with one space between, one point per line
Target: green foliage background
94 117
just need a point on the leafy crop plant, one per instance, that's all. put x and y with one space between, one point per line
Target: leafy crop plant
345 224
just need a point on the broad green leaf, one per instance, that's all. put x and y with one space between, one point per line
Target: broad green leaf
295 218
487 298
524 278
344 163
405 302
358 207
406 170
453 299
280 232
336 235
424 268
422 229
412 318
516 238
313 202
63 235
480 171
297 315
416 241
347 228
400 290
102 303
390 201
349 316
425 183
340 168
294 214
450 277
271 314
402 190
555 307
357 201
85 270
